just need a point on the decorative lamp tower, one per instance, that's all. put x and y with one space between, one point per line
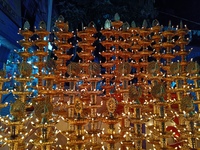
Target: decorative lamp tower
146 67
111 136
185 96
62 44
16 122
90 76
94 126
123 68
43 106
138 91
3 79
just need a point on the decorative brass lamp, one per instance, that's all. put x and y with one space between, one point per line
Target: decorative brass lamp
3 79
17 121
145 83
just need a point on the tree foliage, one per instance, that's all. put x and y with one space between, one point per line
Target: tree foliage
79 11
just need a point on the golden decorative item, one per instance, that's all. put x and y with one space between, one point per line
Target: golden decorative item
94 68
124 68
25 69
43 109
78 106
3 79
153 67
135 92
26 26
187 104
111 105
17 109
192 67
50 65
175 68
123 102
158 90
73 69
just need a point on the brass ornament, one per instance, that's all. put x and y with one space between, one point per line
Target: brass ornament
61 18
133 24
158 90
50 65
94 68
124 68
192 67
155 23
43 109
107 24
73 69
175 68
125 26
111 105
187 104
17 108
135 92
25 69
117 17
42 25
145 24
153 67
26 25
78 105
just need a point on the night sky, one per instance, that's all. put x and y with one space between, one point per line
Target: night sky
176 10
76 11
